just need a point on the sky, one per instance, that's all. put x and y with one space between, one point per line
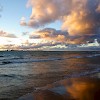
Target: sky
47 24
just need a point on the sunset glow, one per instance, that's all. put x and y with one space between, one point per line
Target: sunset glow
46 24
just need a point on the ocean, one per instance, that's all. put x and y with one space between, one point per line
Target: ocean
22 72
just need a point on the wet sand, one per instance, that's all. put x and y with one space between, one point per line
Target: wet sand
84 88
30 70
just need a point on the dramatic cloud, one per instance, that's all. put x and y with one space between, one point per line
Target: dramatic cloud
84 18
79 17
83 39
5 34
46 11
50 34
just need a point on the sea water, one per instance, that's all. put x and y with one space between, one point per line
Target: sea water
21 72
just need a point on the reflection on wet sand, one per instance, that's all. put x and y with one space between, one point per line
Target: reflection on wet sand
85 89
68 89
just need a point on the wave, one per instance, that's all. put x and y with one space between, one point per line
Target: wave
1 56
30 60
87 56
94 55
12 76
72 75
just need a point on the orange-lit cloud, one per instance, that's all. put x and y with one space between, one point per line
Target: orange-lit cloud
46 11
50 34
78 17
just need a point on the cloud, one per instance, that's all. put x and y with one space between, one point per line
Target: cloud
36 46
6 34
79 17
23 21
46 11
98 8
50 34
32 36
48 39
7 47
83 19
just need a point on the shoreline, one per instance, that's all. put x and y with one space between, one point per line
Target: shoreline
61 90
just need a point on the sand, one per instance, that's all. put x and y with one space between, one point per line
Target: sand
84 88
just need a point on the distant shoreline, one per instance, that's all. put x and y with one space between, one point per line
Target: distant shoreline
50 50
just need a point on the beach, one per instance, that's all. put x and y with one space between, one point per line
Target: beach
49 49
27 75
68 89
